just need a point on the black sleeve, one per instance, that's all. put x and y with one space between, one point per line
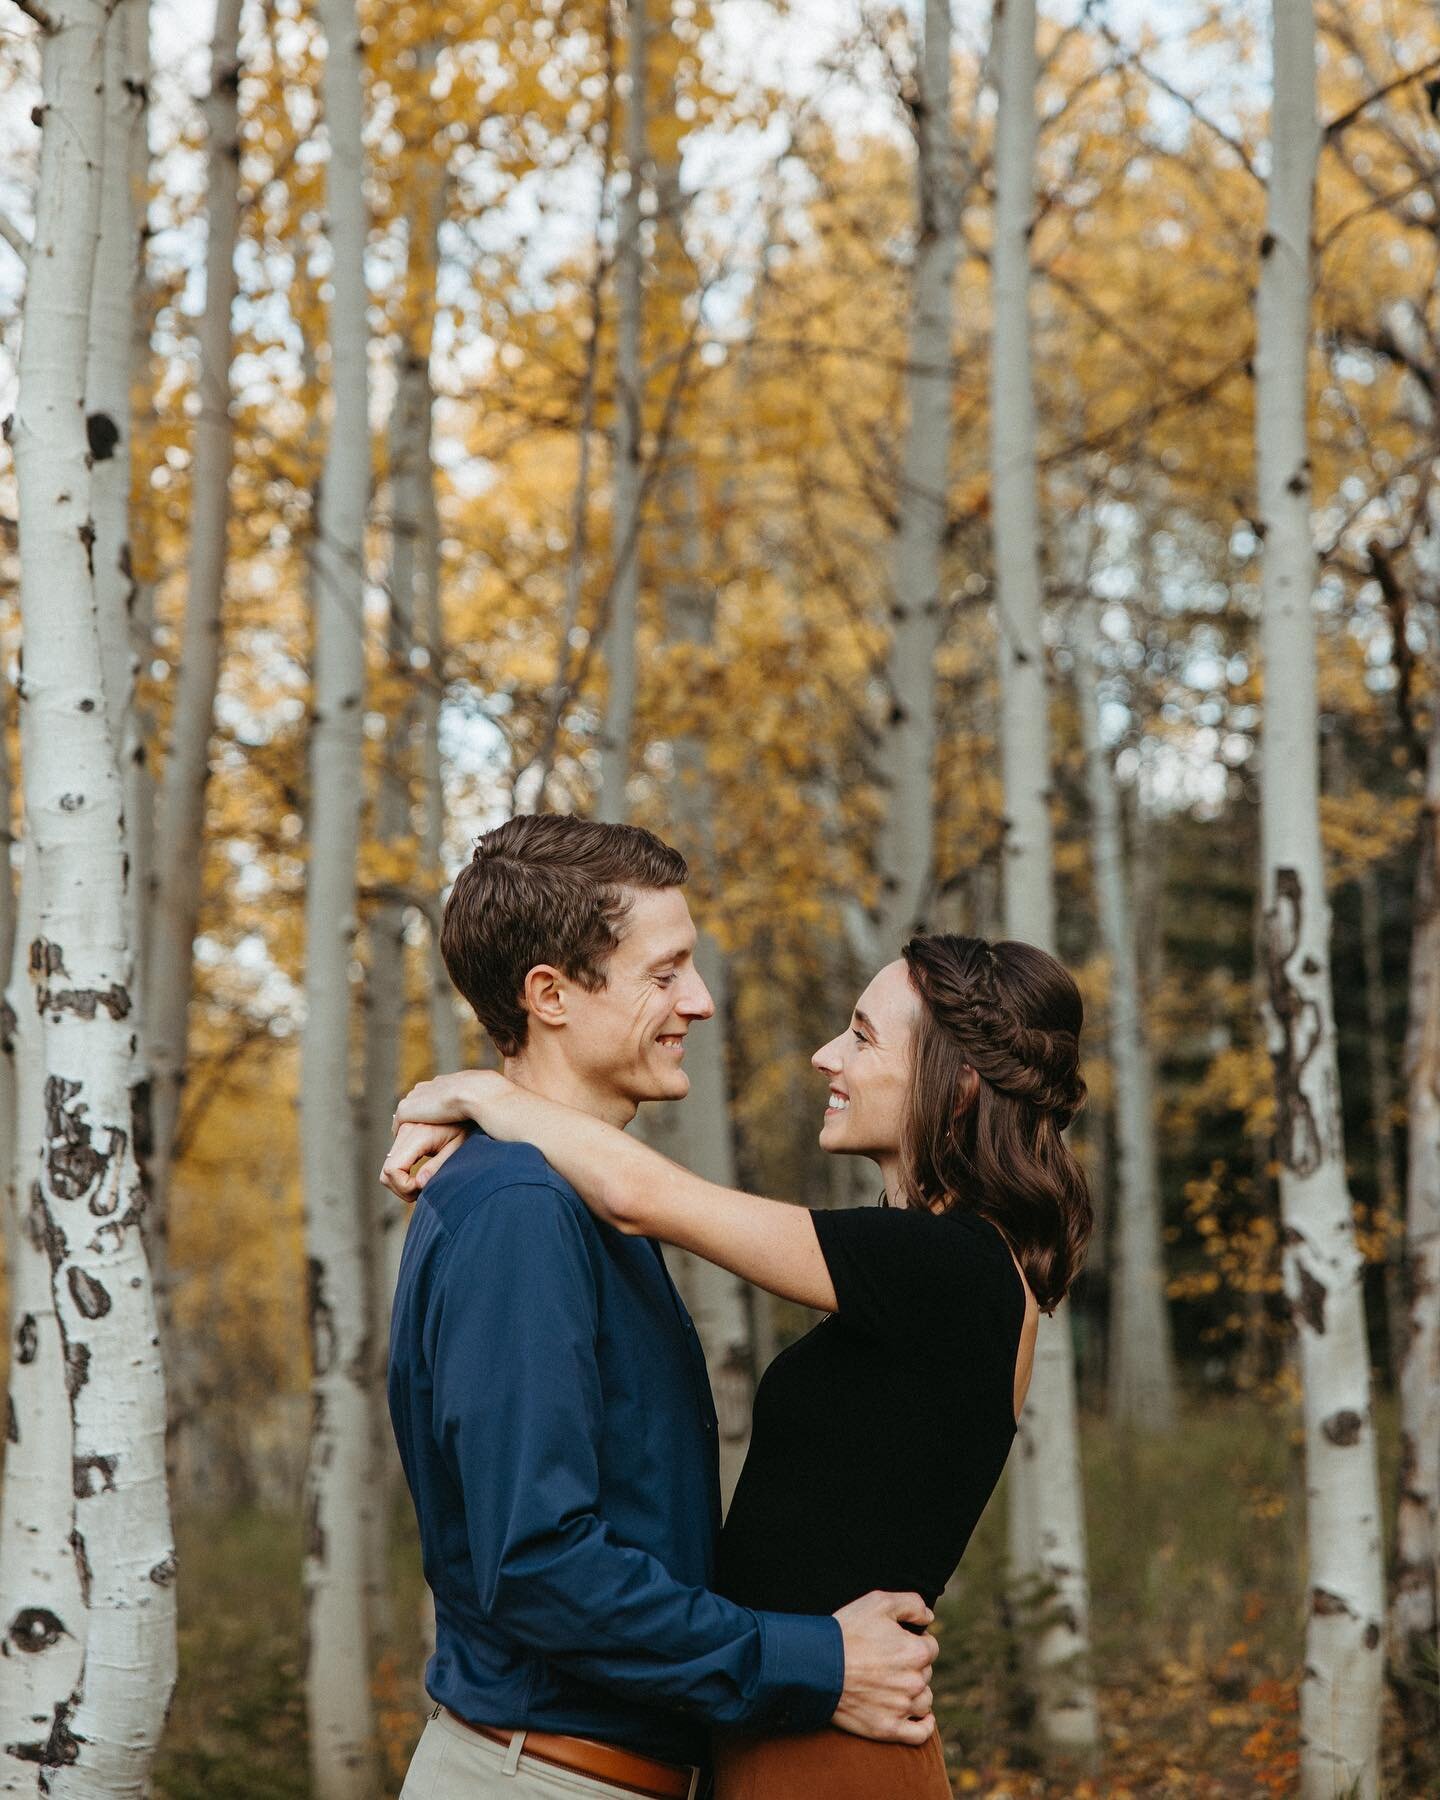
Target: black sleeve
916 1276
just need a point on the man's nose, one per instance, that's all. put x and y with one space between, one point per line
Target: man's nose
697 1003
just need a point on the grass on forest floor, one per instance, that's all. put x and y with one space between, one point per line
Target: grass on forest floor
1196 1571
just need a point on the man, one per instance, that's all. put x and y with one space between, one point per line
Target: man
549 1394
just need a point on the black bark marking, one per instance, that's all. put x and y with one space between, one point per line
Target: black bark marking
1372 1636
87 706
88 1294
102 434
27 1337
82 1564
41 1229
1311 1303
142 1127
163 1574
85 1002
35 1629
58 1750
74 1164
8 1022
322 1318
86 533
87 1469
1299 482
77 1367
12 1423
1267 244
1327 1605
1343 1427
1297 1132
46 958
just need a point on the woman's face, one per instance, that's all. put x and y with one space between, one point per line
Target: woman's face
868 1068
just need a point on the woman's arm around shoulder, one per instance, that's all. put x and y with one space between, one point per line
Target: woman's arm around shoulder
636 1189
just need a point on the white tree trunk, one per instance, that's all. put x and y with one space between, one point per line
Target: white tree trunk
41 1600
109 375
411 498
445 1047
98 1708
1340 1692
1415 1606
697 1131
626 484
1047 1517
179 858
907 748
339 1481
1141 1358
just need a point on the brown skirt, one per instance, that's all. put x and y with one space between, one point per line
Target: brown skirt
828 1765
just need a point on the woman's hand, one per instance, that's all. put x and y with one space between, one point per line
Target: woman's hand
459 1098
418 1151
425 1125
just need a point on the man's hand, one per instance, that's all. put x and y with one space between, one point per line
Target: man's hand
418 1151
887 1669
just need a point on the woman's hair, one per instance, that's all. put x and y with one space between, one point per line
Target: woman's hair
1013 1015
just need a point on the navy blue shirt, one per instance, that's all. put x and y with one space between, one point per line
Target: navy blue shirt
555 1423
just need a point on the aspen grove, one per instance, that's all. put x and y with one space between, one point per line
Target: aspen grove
970 467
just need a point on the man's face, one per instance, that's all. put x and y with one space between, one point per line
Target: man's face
629 1038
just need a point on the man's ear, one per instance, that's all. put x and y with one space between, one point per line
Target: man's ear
543 994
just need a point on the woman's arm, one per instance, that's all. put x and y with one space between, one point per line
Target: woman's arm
634 1188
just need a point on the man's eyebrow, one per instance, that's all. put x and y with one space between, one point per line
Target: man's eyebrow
676 955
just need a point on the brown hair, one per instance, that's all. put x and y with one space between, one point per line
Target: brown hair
1012 1014
547 888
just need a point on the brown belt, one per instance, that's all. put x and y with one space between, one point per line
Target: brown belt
601 1762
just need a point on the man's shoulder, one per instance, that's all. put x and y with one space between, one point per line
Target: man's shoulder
484 1178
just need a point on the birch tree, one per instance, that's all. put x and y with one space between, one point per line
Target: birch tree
907 753
697 1131
1047 1514
411 496
109 379
1415 1606
626 477
1141 1356
179 854
339 1485
1340 1690
445 1046
98 1624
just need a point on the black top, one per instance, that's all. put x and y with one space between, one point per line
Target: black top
880 1435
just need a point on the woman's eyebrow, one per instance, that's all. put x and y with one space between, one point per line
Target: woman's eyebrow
865 1020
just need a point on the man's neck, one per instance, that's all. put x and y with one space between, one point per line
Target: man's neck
556 1080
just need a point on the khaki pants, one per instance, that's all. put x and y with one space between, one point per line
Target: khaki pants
452 1762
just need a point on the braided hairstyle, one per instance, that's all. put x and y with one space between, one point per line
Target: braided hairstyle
996 1081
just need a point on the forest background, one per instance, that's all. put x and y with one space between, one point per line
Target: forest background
608 482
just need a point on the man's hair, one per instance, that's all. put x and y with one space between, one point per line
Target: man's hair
545 888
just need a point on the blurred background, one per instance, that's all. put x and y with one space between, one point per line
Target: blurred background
676 334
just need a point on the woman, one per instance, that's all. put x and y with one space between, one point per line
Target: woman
879 1437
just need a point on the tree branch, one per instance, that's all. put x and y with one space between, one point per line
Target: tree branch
15 238
1349 116
33 9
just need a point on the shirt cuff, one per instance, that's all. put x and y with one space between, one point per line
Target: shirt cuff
802 1671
